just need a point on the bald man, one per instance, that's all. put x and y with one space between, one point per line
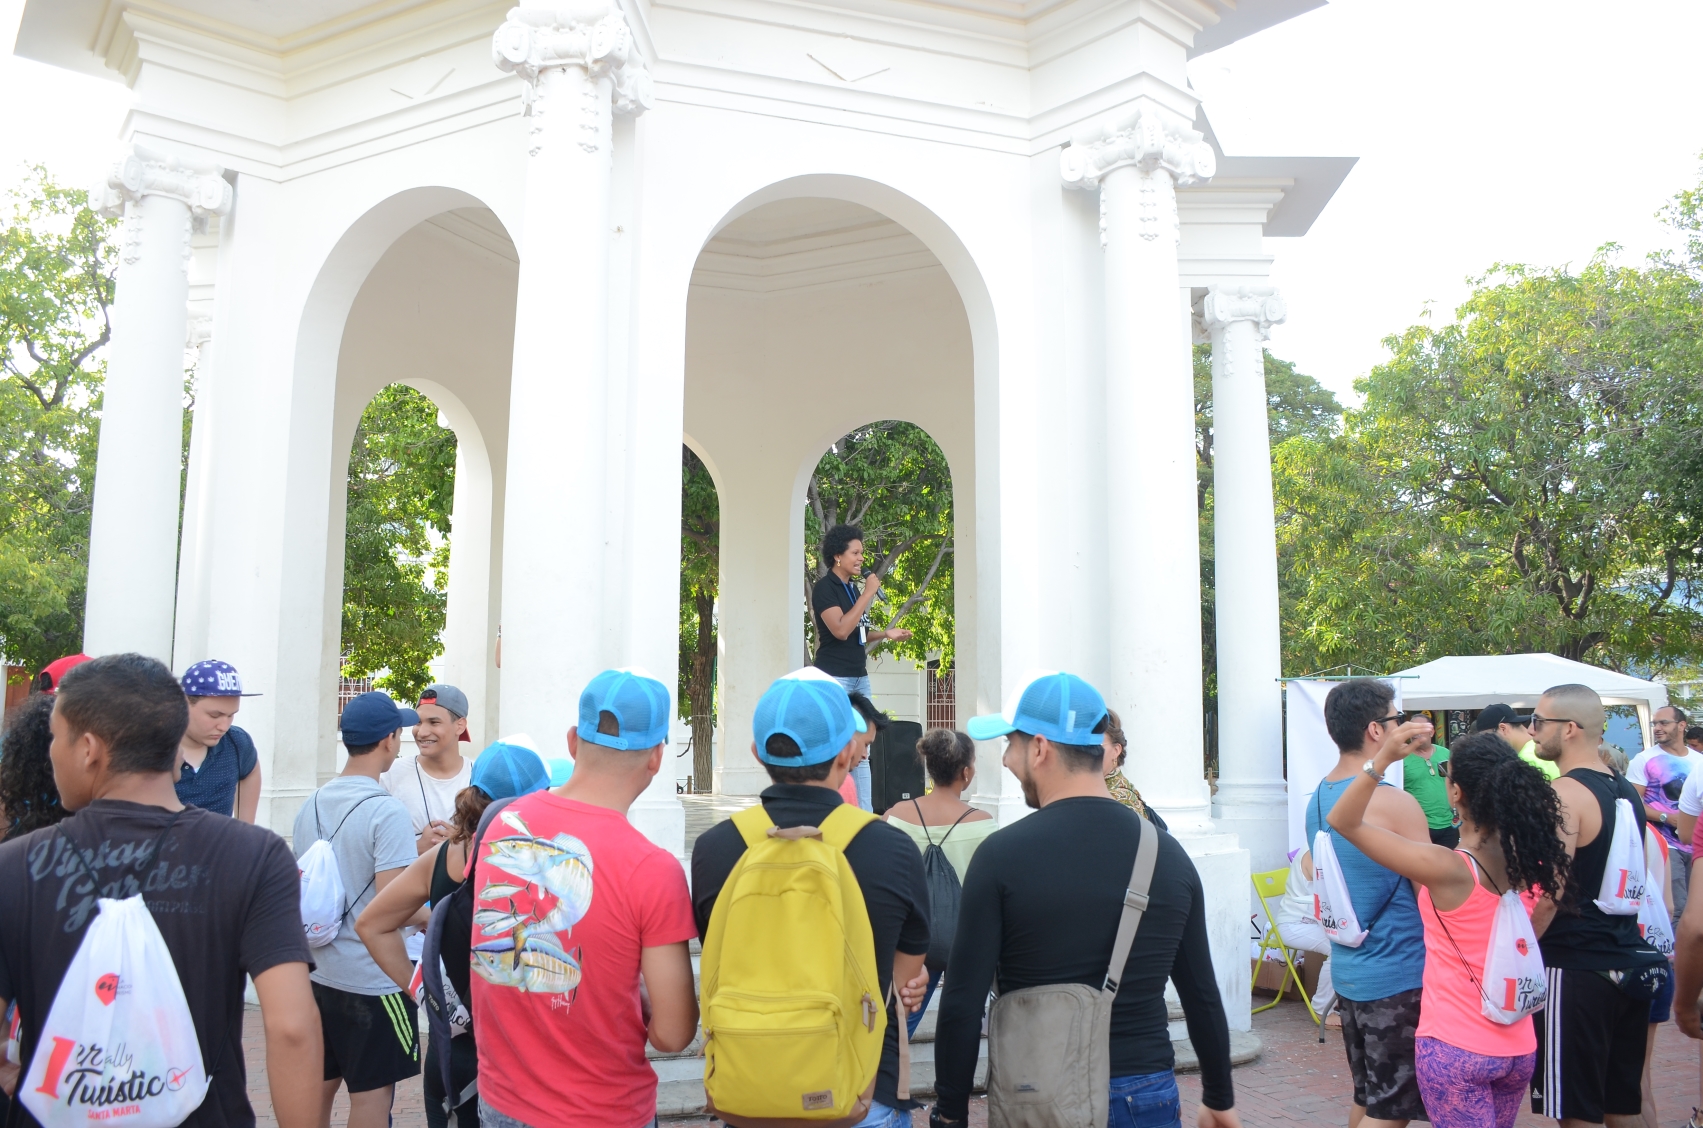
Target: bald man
1602 976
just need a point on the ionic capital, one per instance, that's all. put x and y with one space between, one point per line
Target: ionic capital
1262 305
1143 139
593 35
202 188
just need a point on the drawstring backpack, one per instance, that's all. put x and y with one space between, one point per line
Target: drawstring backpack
323 906
119 1042
1654 923
945 893
1332 907
1623 876
1513 965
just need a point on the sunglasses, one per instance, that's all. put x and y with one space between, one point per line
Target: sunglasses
1539 721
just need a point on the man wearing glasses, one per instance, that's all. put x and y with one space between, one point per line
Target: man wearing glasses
1602 976
1661 774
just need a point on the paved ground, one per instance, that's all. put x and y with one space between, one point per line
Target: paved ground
1295 1080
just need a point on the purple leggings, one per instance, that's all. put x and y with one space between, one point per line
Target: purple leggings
1462 1089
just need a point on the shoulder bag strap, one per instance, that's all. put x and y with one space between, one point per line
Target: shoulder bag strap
952 828
922 822
1135 902
340 821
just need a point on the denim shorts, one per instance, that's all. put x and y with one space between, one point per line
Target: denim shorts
1145 1100
881 1116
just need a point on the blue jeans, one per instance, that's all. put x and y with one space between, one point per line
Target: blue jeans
1145 1100
880 1116
860 774
914 1019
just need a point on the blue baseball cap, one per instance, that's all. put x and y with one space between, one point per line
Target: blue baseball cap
815 713
640 705
213 678
371 717
506 769
1061 707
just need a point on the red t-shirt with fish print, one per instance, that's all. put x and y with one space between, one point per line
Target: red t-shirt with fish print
566 896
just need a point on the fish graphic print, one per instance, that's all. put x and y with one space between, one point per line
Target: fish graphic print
532 892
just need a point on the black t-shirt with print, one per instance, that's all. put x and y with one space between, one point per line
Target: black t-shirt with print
840 657
225 896
888 868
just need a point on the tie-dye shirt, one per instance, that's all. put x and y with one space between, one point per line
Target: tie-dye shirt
1662 775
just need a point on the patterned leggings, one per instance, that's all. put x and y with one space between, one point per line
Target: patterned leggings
1467 1090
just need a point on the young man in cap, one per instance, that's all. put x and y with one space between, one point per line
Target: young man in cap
427 784
218 768
1515 728
48 680
580 941
1070 862
887 865
224 895
370 1028
1592 1035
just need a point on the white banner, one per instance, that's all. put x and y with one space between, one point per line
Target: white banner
1312 753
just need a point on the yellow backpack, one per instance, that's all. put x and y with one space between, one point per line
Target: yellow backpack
792 1009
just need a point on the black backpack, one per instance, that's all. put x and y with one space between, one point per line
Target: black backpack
945 892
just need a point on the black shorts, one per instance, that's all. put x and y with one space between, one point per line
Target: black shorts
1378 1036
1449 836
370 1040
1590 1048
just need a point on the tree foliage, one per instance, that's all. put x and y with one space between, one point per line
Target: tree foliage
57 265
700 574
893 481
396 543
1527 478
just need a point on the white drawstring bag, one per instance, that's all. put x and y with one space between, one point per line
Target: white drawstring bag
1655 926
322 894
1623 877
1331 905
1514 984
119 1043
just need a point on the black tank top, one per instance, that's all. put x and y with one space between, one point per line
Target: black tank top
1582 936
442 883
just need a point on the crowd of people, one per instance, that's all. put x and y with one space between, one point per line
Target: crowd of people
545 943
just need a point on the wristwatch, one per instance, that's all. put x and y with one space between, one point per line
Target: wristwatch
1663 815
1371 769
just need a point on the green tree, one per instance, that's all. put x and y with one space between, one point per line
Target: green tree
401 487
1525 478
57 264
700 574
892 480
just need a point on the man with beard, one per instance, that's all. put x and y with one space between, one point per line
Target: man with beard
1041 905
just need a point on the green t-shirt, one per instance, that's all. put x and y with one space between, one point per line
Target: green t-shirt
1421 779
1530 756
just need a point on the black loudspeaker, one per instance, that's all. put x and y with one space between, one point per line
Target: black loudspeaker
895 771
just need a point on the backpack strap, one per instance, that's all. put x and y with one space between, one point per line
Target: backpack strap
753 824
844 824
1135 901
950 829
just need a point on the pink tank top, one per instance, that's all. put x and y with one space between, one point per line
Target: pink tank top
1450 1008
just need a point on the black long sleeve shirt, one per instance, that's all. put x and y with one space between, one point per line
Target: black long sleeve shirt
1041 905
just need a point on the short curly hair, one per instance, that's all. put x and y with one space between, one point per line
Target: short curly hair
837 540
29 799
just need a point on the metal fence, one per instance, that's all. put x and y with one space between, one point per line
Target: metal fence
942 696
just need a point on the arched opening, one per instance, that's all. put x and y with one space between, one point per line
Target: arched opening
808 318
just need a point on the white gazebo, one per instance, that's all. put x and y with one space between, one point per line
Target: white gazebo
591 231
1475 681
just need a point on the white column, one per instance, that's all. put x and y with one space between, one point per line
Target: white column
580 66
1251 797
133 536
1154 677
189 639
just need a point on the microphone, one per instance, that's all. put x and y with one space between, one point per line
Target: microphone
880 592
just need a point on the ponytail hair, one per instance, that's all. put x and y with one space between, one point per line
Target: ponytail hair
1503 793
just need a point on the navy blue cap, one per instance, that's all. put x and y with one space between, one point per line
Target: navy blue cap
639 703
1061 707
814 713
371 717
213 678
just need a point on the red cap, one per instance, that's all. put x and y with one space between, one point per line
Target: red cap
55 670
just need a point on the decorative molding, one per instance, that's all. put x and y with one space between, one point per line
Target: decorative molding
595 37
1162 155
1262 305
201 188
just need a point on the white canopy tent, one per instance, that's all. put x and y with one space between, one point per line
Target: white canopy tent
1475 681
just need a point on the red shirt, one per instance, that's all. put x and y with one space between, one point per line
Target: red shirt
567 896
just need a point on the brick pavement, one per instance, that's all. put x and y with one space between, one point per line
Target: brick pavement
1295 1081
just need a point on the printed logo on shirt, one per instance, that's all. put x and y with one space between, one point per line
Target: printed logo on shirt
525 924
120 872
106 988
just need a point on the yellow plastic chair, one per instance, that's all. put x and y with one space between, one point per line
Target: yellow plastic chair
1272 885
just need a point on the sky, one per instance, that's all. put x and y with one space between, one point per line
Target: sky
1488 131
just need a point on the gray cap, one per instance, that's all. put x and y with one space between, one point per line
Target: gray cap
446 697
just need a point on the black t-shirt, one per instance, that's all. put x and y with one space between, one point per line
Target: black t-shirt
841 657
888 867
1582 936
1041 905
224 894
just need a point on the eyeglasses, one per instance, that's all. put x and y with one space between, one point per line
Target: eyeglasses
1399 718
1539 721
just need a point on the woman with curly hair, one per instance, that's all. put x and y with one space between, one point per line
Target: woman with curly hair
28 798
1473 1072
